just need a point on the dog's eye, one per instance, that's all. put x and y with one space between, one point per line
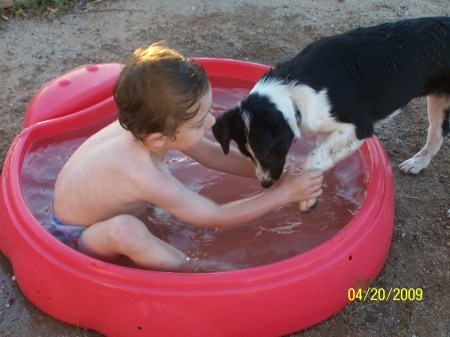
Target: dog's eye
277 153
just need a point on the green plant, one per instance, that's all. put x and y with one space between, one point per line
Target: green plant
35 8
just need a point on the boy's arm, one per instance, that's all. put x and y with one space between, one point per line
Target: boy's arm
210 155
193 208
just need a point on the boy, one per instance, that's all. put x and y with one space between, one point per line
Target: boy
164 101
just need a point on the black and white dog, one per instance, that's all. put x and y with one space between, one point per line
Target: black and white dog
337 88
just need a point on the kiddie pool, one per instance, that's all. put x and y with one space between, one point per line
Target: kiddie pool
269 300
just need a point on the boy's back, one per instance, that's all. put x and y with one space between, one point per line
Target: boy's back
101 177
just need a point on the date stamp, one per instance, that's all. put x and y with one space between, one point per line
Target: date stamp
382 294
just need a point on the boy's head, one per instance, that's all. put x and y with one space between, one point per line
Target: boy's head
156 89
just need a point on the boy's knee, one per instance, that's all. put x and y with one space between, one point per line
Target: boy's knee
125 231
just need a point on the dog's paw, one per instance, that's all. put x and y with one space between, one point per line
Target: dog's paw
307 205
413 165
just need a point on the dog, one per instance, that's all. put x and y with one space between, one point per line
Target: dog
337 88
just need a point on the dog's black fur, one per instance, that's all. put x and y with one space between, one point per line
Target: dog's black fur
337 88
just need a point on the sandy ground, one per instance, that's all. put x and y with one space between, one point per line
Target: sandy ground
33 52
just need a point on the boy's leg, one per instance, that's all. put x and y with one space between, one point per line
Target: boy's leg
127 235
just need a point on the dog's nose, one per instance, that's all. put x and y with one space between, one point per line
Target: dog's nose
266 183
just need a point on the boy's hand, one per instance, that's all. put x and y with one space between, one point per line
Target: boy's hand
299 187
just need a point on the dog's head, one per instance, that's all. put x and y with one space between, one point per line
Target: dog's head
261 132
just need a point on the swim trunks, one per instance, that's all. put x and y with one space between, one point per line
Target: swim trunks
67 234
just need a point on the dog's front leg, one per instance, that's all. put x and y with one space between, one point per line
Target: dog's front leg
337 146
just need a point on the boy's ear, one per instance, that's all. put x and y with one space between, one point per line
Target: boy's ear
156 140
222 130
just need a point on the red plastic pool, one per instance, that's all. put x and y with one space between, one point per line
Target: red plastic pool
269 300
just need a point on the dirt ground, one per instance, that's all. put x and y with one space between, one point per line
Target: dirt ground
34 51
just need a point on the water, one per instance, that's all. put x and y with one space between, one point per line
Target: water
282 233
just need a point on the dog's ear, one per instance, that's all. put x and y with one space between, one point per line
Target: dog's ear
223 127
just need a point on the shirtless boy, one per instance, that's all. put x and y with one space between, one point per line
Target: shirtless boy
164 103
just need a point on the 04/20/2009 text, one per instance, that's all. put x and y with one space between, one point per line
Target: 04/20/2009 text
382 294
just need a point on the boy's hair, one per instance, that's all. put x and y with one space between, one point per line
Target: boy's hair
156 88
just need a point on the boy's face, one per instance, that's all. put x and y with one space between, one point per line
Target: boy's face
191 132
